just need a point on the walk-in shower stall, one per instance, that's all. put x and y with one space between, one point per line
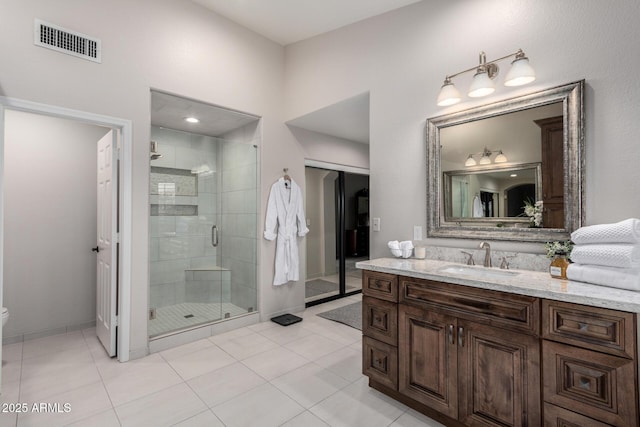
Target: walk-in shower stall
203 221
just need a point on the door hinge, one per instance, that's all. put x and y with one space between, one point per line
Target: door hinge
116 321
117 238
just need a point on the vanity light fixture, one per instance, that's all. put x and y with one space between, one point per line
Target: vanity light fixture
485 158
191 120
520 73
470 161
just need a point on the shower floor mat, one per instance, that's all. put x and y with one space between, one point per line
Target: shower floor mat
187 314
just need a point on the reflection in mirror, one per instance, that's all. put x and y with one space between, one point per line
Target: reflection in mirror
494 192
470 152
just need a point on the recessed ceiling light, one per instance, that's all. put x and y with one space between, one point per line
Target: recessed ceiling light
191 120
513 175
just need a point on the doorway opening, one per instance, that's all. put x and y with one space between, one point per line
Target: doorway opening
121 131
337 210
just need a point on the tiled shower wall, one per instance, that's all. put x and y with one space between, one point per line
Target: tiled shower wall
239 212
179 243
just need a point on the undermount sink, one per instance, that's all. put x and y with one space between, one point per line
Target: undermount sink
479 272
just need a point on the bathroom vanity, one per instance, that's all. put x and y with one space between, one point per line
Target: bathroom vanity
471 346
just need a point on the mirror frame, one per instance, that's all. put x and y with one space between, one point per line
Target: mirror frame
493 168
572 97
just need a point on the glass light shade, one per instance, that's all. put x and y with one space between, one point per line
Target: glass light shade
500 158
485 160
521 73
481 85
470 161
448 95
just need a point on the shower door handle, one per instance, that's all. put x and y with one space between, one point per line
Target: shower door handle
214 236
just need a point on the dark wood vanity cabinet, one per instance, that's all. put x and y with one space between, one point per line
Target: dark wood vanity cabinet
475 357
590 365
380 328
462 352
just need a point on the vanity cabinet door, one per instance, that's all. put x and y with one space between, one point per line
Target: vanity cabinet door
427 354
499 376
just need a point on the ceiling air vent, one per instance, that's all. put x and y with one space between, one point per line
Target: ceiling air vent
66 41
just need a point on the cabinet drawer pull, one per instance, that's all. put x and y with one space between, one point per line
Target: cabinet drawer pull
450 334
461 336
585 383
583 326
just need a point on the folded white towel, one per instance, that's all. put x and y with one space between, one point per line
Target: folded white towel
394 244
622 278
627 231
608 255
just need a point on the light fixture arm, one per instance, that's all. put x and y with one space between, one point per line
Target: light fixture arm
520 73
483 62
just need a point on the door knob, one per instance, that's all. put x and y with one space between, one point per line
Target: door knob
96 249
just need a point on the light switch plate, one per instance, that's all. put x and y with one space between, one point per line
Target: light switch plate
376 224
417 232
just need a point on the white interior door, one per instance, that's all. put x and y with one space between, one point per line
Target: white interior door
107 280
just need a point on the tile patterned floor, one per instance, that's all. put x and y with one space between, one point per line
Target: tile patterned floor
303 375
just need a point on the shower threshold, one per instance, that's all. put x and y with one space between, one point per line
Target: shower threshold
187 315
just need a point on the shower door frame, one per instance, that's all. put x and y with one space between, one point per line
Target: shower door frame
124 128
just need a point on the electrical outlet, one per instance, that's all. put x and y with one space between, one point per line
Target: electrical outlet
376 224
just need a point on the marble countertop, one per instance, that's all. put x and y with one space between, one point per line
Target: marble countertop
525 282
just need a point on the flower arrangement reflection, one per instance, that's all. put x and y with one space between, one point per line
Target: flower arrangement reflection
534 212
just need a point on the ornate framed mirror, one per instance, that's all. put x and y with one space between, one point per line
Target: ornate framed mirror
486 164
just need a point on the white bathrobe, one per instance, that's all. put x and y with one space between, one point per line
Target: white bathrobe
285 212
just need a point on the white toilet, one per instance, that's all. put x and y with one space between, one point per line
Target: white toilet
5 315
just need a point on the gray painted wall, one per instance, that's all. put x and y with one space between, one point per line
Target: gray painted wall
401 58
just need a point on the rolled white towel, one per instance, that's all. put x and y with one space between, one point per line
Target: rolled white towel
627 231
622 278
394 244
608 255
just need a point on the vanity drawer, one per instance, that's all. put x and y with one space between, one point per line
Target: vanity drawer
516 312
560 417
599 329
380 285
597 385
380 362
380 320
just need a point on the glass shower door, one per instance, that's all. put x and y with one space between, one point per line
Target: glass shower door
202 231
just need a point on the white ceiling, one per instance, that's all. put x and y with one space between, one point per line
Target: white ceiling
285 22
289 21
169 111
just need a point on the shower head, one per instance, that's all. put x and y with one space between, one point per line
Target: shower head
154 151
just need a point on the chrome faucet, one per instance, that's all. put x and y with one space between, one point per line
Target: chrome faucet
470 260
487 255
